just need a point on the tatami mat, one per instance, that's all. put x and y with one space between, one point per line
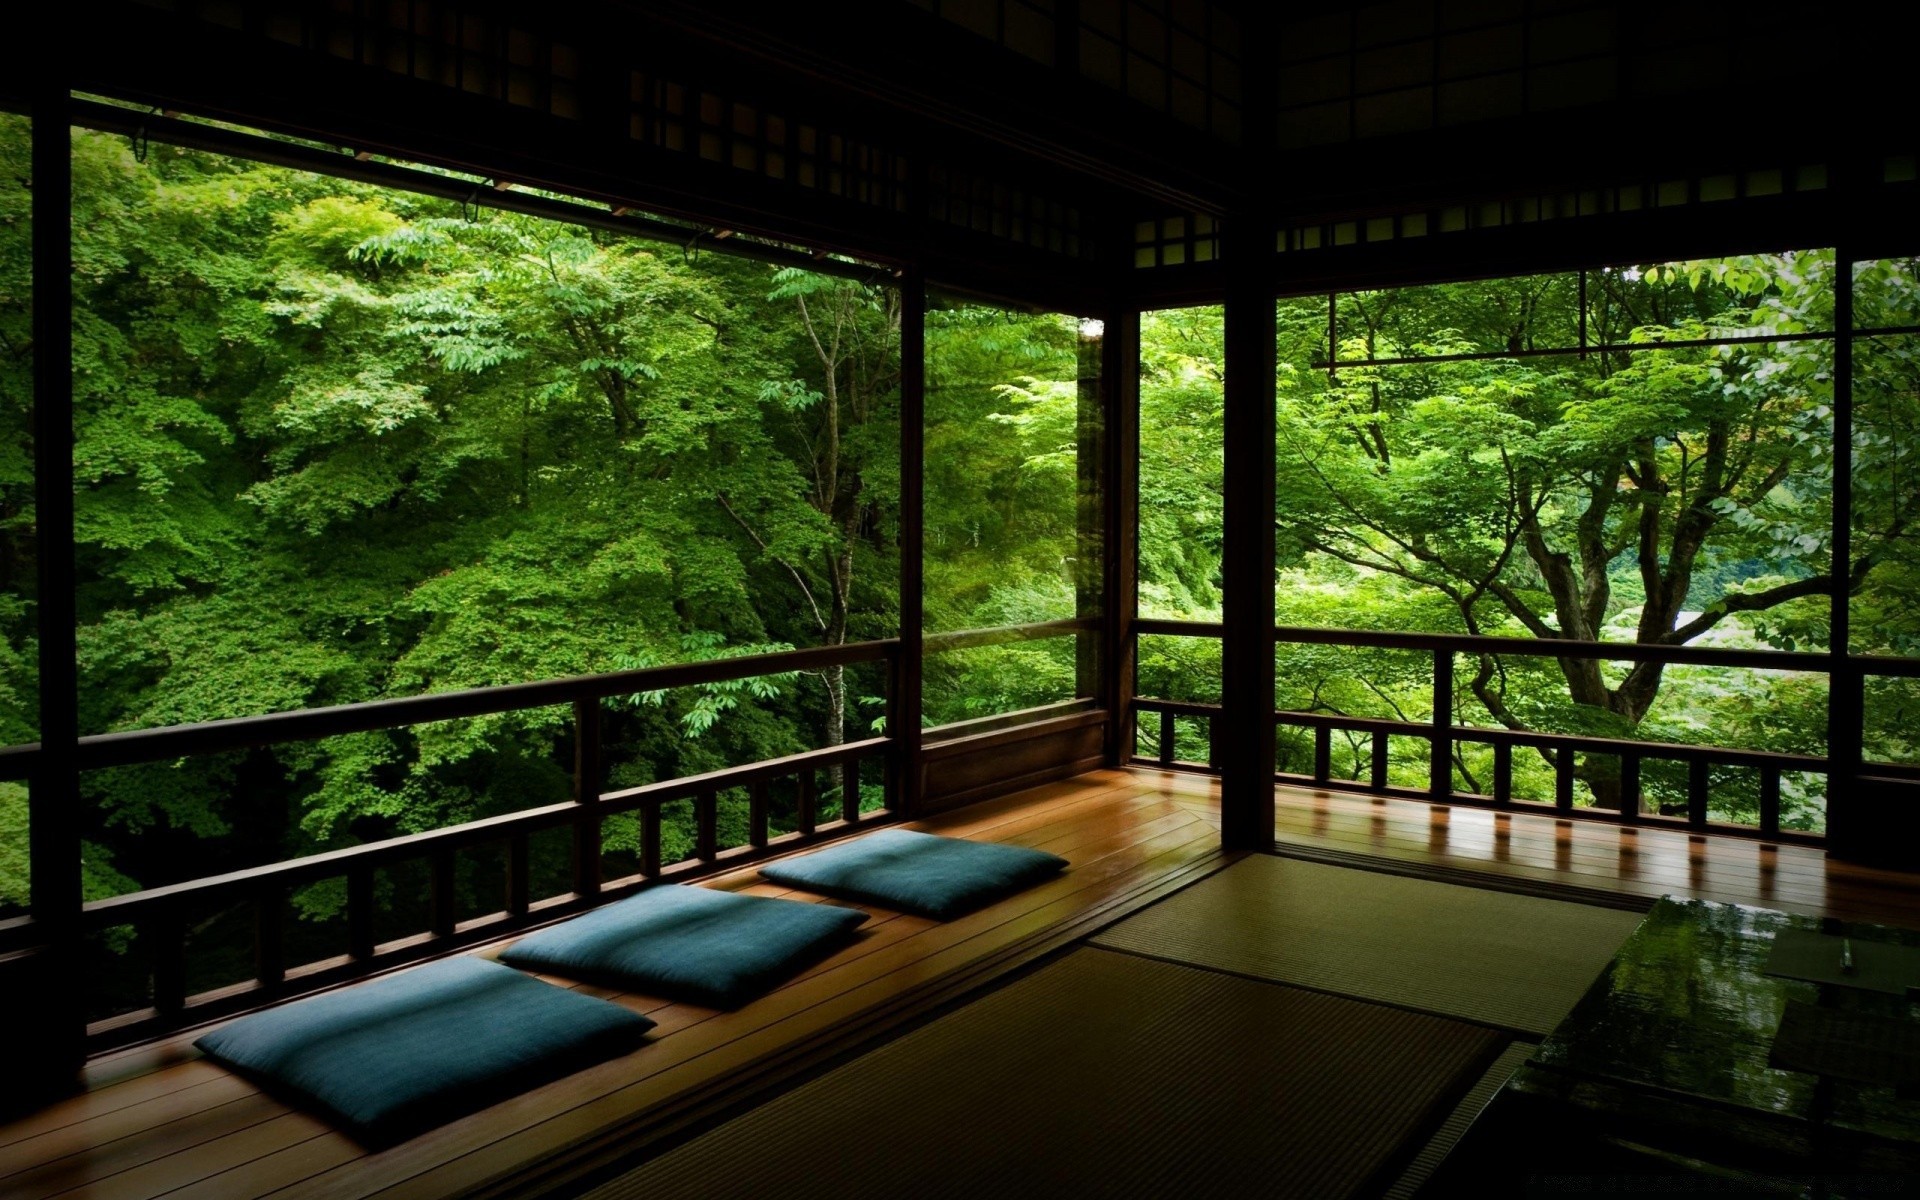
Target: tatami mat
1101 1074
1518 962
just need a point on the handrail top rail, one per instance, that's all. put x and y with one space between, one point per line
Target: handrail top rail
1768 660
1490 735
304 724
123 747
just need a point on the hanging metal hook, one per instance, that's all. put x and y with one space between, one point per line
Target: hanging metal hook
139 138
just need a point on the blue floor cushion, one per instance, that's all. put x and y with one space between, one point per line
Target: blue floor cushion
938 877
411 1051
689 943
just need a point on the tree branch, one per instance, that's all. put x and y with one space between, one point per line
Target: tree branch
804 589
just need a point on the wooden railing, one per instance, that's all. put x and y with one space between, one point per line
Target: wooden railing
1442 735
164 916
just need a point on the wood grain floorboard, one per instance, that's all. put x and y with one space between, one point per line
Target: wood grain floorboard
159 1119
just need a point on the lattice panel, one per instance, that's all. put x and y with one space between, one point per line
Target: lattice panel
671 116
1176 240
1026 27
1563 205
1178 57
468 47
1013 212
1409 66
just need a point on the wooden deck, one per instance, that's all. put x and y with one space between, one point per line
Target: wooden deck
158 1119
1594 855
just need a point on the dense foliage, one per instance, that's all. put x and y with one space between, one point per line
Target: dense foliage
338 443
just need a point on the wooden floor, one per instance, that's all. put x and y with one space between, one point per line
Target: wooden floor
160 1120
1589 854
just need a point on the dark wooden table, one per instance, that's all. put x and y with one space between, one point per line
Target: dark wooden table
1662 1078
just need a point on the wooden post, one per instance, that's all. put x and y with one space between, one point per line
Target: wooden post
269 923
58 1044
650 840
850 790
519 888
1440 775
1770 801
1091 516
807 802
586 794
1246 758
1846 685
706 824
1699 792
1120 384
757 813
360 936
904 703
443 907
169 934
1630 788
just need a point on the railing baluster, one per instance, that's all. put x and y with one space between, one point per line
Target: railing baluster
1629 787
269 942
169 933
360 913
442 905
519 886
1440 777
1503 772
757 812
1699 786
586 794
706 824
1213 741
1166 738
850 790
1322 753
807 803
650 840
1770 801
1563 779
1378 772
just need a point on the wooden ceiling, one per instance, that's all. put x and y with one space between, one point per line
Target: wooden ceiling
1066 149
